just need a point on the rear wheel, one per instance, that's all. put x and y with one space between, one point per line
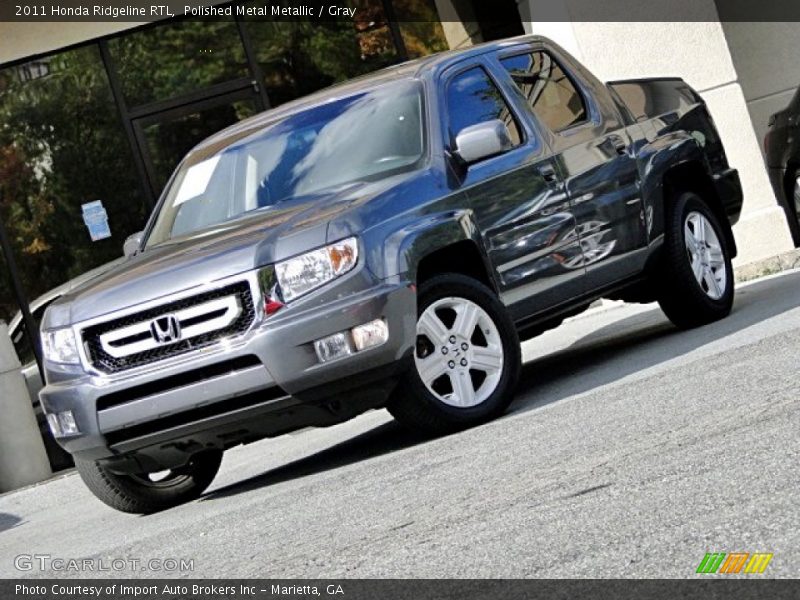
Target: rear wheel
151 492
697 284
466 360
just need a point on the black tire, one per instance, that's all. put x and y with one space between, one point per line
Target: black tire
683 299
415 407
135 494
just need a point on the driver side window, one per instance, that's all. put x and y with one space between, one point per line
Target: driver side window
473 98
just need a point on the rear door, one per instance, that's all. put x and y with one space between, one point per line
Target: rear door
593 155
518 200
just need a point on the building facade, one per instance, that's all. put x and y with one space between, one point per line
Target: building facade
104 111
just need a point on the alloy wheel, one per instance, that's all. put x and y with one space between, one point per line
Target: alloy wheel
706 256
459 354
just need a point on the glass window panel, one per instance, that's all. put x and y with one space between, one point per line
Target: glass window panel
473 98
301 156
551 94
170 138
301 57
420 27
173 59
62 145
374 37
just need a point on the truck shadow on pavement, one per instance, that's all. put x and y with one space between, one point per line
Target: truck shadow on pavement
611 353
643 341
9 521
383 439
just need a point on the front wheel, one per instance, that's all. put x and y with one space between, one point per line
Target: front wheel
466 361
696 286
150 492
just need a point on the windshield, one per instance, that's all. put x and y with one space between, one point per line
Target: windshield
364 137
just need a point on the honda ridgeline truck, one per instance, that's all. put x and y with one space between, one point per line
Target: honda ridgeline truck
384 243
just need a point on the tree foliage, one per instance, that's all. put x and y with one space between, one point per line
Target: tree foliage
62 145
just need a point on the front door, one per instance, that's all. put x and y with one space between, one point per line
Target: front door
165 137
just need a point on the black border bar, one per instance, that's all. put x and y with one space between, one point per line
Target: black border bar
20 11
734 586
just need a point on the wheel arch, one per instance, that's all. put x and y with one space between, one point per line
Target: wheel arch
462 257
692 176
443 243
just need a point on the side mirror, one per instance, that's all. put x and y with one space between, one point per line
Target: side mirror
483 140
132 243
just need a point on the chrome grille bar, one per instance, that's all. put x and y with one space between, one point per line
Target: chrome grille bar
184 323
194 321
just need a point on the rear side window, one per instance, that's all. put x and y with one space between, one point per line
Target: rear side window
550 92
472 98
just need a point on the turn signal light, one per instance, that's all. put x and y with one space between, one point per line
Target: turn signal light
272 306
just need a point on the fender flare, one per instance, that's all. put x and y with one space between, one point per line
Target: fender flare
406 246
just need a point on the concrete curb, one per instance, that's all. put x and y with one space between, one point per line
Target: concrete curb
769 266
54 477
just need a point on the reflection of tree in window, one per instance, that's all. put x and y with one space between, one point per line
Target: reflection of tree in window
317 151
549 90
176 58
301 57
473 98
420 27
62 145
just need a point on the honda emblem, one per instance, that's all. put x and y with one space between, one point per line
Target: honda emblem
166 329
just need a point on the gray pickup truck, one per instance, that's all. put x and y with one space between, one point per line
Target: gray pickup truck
384 243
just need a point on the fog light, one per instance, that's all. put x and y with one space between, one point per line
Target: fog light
371 334
55 428
333 347
62 424
68 424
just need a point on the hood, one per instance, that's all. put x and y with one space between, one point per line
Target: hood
267 236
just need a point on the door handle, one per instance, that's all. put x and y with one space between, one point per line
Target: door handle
548 173
619 144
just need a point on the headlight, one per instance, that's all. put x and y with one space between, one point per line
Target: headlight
307 272
59 346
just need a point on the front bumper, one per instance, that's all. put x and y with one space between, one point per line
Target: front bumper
264 382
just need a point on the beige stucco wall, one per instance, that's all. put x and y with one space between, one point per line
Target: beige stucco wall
698 52
766 60
19 40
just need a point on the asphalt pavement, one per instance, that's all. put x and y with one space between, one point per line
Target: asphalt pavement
631 450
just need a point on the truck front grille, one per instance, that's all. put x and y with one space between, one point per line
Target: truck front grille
169 330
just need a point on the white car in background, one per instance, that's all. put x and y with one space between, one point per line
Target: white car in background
59 459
